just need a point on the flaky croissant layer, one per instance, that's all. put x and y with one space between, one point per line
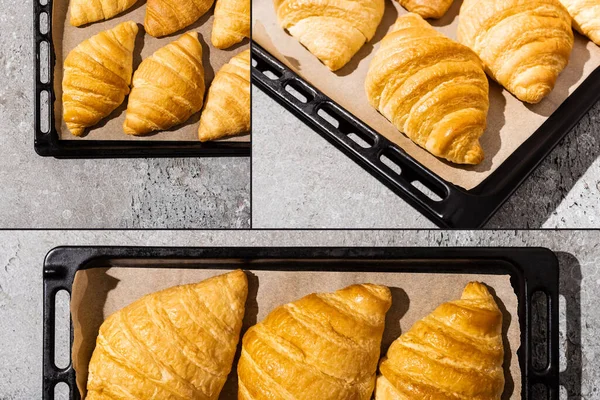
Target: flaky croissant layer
171 345
586 17
87 11
333 30
456 352
231 23
524 44
323 346
227 109
431 88
168 87
164 17
427 8
97 75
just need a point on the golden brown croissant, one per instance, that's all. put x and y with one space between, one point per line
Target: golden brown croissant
86 11
586 17
323 346
524 45
168 87
333 30
97 75
231 24
427 8
172 345
164 17
227 109
431 88
456 352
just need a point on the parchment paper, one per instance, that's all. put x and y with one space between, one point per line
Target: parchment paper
66 37
510 122
99 292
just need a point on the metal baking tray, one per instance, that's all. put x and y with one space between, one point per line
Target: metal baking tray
532 271
47 140
457 207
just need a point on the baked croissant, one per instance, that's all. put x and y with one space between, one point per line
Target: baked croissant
171 345
164 17
586 17
323 346
86 11
431 88
456 352
524 45
168 87
97 75
427 8
231 24
333 30
227 109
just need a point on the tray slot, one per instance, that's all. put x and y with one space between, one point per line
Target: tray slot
44 23
61 391
337 118
271 71
426 191
539 391
44 60
62 329
44 112
298 92
539 308
426 187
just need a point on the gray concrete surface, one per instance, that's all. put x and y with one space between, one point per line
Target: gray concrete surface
22 255
49 193
301 181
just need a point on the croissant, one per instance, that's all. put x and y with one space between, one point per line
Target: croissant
175 344
333 30
227 109
524 45
168 87
164 17
86 11
456 352
586 17
97 75
431 88
427 8
231 24
323 346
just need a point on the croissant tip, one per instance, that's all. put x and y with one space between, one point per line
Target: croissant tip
76 130
476 289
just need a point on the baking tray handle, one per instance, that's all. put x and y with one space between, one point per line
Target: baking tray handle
54 282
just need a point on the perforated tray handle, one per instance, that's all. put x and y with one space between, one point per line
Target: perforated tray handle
43 87
55 278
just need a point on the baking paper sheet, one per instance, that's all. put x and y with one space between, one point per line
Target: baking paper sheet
510 122
66 37
99 292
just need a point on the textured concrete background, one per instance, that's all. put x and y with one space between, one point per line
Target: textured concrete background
48 193
302 181
22 255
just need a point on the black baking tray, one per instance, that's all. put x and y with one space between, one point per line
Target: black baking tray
456 207
48 143
532 271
